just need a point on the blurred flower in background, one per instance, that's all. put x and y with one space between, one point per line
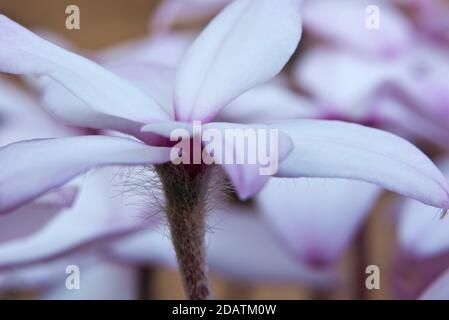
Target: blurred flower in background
292 233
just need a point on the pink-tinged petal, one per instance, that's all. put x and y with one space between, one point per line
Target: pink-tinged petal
33 216
49 163
21 117
59 198
22 52
101 281
334 149
423 82
154 79
341 80
268 103
421 232
438 289
67 107
247 176
394 116
313 217
104 211
241 247
350 29
248 43
42 277
246 249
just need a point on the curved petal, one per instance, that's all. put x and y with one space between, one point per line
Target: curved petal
394 116
22 52
314 217
248 43
152 79
101 281
49 163
104 211
35 215
247 177
21 118
335 149
267 103
350 29
423 82
42 277
341 80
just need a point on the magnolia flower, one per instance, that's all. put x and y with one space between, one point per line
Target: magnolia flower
247 44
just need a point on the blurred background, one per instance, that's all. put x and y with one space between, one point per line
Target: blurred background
109 23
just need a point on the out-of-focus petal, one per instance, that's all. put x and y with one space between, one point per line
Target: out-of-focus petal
342 81
103 211
40 277
154 79
350 28
33 216
241 246
394 116
22 52
268 103
248 43
21 118
102 281
31 168
423 82
314 217
421 232
334 149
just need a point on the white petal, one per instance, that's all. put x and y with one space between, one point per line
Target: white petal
336 149
248 43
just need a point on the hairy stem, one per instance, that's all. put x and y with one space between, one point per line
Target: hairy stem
184 188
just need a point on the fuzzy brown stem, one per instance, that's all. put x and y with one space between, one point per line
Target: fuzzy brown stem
188 231
184 189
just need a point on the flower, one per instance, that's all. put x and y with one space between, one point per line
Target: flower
247 44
